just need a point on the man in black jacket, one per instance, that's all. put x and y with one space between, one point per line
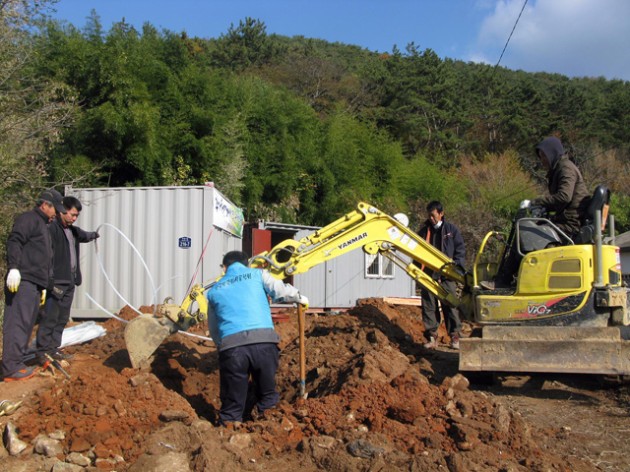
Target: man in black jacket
568 195
446 237
65 239
29 261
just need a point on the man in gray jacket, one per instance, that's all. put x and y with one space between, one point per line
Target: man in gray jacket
568 195
65 238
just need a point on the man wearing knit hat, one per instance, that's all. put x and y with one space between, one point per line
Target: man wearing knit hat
29 262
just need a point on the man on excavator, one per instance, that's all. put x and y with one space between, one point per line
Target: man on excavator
240 323
568 195
446 237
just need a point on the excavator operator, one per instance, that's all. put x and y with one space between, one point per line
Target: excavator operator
568 195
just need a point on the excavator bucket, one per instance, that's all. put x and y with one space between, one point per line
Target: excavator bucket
143 335
579 350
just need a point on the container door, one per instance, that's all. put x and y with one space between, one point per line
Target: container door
261 240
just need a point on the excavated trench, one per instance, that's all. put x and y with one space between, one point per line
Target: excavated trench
376 401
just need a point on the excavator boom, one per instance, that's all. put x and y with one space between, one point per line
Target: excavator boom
375 232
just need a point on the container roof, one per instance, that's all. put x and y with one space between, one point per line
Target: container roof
623 240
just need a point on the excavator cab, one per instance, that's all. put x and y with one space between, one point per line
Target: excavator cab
531 231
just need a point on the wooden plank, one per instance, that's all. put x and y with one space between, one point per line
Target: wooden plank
402 301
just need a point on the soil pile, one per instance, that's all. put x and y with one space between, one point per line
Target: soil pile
376 401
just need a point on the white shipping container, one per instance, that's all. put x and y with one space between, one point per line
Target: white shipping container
168 226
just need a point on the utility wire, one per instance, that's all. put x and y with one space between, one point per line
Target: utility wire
535 184
511 33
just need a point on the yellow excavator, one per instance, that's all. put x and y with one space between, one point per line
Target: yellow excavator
543 302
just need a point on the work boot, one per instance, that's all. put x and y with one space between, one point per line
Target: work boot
455 341
21 374
432 344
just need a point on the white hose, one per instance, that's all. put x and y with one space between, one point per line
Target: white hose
109 313
205 338
146 268
155 290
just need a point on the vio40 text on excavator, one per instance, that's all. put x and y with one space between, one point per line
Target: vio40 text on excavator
541 301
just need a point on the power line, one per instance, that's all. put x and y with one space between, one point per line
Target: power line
511 33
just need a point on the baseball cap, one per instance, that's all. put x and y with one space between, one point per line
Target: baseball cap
53 196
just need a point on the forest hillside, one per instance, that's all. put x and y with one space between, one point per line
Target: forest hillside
291 129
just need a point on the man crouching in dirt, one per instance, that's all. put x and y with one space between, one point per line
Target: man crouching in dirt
239 318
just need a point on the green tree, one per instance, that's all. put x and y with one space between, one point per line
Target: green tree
246 45
32 113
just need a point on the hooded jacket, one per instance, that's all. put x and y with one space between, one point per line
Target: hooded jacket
568 195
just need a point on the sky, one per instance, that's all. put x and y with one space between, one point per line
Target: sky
577 38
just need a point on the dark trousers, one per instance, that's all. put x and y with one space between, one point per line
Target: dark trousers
20 313
430 315
236 365
52 324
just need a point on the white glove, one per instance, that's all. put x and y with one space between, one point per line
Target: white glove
43 299
304 302
13 280
525 204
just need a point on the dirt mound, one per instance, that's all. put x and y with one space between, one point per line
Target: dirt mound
376 401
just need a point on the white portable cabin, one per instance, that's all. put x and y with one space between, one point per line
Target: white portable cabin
340 282
623 241
151 244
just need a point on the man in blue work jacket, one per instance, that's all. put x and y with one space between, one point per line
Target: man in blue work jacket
239 318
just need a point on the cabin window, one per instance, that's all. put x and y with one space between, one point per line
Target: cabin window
378 267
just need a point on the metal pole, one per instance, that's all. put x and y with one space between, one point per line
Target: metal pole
599 264
301 323
611 228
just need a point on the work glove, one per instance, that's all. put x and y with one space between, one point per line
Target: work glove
43 299
95 235
304 302
13 280
525 204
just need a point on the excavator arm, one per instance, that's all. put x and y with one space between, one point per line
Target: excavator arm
375 232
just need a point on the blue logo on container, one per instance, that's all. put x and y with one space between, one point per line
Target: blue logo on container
185 242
